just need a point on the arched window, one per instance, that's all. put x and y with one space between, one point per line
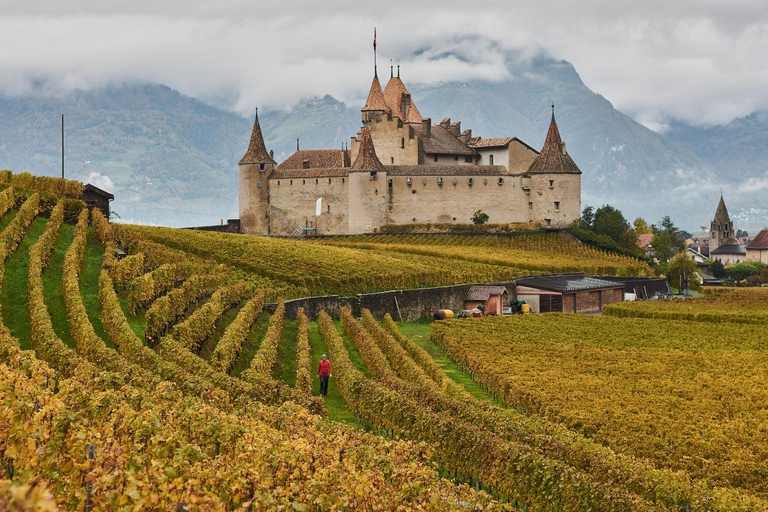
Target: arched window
490 160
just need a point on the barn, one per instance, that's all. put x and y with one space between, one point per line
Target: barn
568 293
94 197
492 297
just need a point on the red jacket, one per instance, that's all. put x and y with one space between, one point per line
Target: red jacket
325 368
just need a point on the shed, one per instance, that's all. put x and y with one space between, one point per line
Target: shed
568 293
94 197
492 297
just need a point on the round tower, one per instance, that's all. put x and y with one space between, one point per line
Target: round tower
256 167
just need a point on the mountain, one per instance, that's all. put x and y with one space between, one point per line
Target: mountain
172 160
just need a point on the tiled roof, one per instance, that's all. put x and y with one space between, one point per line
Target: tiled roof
257 152
443 143
760 241
316 158
500 142
721 215
446 170
375 97
644 240
479 142
566 283
284 174
366 156
554 159
483 292
735 249
393 94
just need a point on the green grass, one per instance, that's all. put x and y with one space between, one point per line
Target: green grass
354 354
52 291
15 292
209 345
137 323
334 403
7 218
421 334
89 285
290 333
251 344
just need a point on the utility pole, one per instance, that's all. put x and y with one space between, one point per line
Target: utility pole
62 146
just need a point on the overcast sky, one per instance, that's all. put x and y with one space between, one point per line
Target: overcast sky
701 61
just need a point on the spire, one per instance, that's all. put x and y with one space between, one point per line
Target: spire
375 71
553 157
375 99
393 95
722 212
257 152
366 155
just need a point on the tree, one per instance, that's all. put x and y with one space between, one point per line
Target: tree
662 246
641 227
717 269
611 222
741 233
480 217
588 218
683 273
741 271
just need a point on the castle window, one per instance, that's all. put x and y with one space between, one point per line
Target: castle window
557 206
551 183
435 158
317 181
402 142
470 181
389 183
291 182
261 167
530 205
490 159
501 181
258 184
440 181
548 221
374 175
278 183
408 180
392 160
456 158
328 208
303 182
468 159
329 181
342 180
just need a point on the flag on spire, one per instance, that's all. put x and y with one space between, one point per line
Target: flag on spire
374 39
375 70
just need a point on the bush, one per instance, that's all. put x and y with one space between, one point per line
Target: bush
72 209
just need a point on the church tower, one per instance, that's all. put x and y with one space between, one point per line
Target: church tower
721 231
255 169
554 196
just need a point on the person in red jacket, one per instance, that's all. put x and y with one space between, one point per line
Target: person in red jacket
324 371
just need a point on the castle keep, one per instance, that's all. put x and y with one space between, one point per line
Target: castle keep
402 169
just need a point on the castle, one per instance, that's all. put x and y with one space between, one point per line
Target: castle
402 169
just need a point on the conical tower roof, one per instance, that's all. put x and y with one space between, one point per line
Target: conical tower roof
554 159
393 93
257 152
721 215
375 99
366 155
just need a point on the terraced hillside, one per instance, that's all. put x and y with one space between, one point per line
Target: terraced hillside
159 382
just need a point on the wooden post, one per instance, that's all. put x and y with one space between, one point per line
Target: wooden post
398 310
88 487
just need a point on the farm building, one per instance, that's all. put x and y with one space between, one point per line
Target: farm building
568 293
95 197
492 297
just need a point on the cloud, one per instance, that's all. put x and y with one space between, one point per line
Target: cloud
655 60
100 180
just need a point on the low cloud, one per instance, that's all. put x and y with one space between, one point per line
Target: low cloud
655 60
101 181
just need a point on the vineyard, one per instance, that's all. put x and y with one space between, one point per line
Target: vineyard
161 381
735 305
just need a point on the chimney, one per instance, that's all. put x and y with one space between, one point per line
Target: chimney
405 104
426 127
446 123
562 148
455 129
272 154
465 136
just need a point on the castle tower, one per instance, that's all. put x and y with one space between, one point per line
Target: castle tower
721 230
255 169
375 106
554 198
367 188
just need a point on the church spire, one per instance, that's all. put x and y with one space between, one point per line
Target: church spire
257 152
366 156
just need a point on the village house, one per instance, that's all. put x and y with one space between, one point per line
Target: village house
757 249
